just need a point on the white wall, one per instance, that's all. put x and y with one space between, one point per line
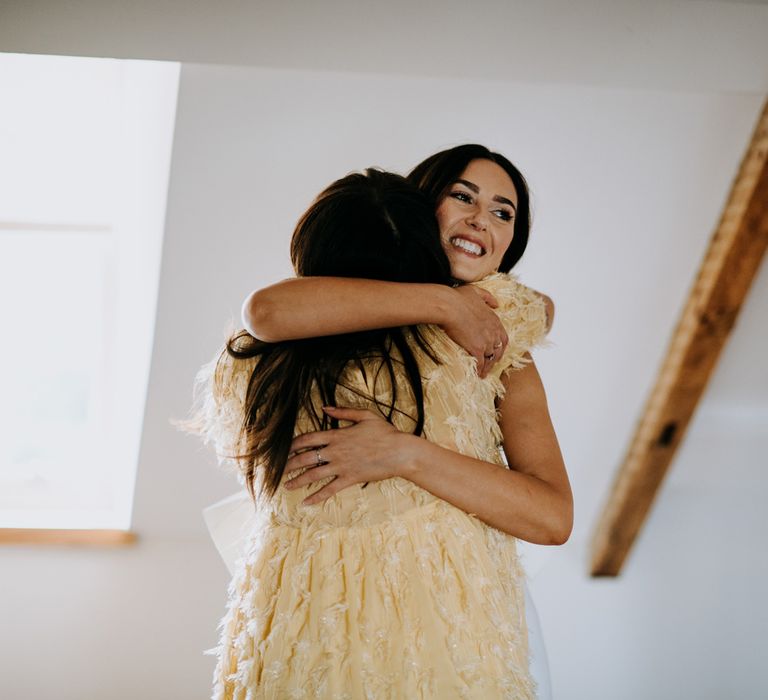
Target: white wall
101 624
686 618
628 182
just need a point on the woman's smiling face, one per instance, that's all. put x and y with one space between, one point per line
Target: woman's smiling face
477 220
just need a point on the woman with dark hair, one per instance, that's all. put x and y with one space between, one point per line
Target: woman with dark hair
438 173
399 243
483 205
407 586
299 308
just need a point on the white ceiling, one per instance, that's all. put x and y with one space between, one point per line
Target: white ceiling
655 44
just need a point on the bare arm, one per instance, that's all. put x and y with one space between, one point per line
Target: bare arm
532 500
309 307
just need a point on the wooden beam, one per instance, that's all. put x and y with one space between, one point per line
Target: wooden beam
729 266
39 536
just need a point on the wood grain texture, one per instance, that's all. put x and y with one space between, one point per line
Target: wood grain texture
35 536
724 278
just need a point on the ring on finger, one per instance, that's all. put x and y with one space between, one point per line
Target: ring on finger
491 356
318 456
498 345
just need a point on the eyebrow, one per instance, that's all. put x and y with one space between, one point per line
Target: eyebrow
497 198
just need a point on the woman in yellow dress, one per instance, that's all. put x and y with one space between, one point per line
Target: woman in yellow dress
408 586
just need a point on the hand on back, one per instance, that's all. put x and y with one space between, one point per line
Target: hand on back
476 327
369 449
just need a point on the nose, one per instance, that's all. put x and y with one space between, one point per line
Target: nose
478 220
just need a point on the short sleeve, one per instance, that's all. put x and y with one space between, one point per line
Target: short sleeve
524 315
219 404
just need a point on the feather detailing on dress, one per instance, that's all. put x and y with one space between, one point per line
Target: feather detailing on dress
524 315
427 605
457 398
387 591
218 407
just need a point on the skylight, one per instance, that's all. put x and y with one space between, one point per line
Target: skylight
86 147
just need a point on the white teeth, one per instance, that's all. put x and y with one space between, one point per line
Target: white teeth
467 245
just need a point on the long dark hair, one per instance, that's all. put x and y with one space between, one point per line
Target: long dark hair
437 173
372 225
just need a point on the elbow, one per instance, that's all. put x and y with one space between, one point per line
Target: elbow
562 524
258 316
560 535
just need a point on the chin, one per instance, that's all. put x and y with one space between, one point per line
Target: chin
466 270
466 277
468 273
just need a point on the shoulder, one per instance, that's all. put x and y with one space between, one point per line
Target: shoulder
219 398
525 313
513 296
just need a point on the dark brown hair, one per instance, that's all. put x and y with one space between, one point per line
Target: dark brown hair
373 225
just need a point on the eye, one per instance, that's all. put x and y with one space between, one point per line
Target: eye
461 196
503 214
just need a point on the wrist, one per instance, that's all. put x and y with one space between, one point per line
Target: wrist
444 302
409 449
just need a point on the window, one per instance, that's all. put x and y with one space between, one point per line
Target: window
86 147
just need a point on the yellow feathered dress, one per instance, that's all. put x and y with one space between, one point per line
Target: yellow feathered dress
386 592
